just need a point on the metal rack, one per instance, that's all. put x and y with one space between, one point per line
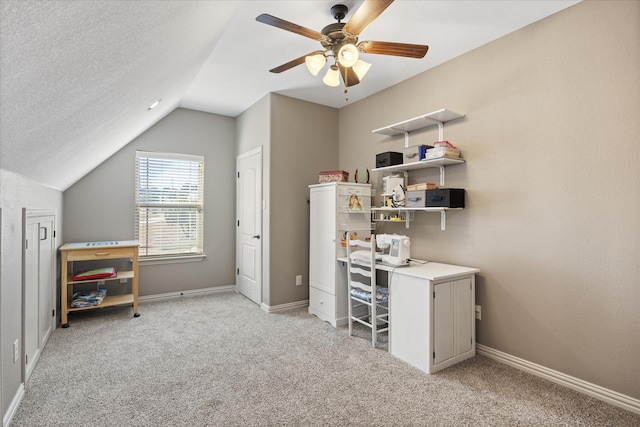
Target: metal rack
435 118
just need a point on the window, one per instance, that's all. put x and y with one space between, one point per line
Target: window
169 204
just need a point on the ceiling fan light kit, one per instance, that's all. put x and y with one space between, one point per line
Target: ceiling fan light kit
361 68
348 55
332 78
315 63
340 40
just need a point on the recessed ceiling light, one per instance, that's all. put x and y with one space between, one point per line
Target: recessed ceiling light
155 104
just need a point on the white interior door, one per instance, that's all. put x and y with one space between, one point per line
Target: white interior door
46 279
38 285
1 377
249 225
31 346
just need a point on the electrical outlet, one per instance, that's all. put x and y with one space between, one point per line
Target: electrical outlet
478 312
299 280
16 351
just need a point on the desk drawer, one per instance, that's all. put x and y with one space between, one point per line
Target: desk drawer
100 253
322 302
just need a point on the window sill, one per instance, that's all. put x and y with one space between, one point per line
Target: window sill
171 259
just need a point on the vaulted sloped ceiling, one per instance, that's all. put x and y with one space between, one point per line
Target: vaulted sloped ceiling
77 77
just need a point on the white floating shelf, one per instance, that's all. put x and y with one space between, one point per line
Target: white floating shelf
414 209
440 161
434 118
443 214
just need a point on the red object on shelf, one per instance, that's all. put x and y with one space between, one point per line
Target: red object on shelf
100 273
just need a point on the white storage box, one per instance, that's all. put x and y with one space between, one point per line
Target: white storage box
415 153
417 199
437 152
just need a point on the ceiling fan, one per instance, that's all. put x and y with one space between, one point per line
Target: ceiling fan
340 41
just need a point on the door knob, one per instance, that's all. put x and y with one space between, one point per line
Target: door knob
257 236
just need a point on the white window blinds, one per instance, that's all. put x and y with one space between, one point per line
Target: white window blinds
169 204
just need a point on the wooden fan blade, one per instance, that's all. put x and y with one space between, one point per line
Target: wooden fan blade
290 26
349 77
395 49
293 63
366 13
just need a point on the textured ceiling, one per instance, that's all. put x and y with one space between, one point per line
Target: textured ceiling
77 77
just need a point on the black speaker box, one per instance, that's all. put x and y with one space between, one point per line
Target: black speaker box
389 158
445 198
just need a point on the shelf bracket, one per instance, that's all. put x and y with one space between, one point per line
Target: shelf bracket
443 219
406 138
440 131
441 175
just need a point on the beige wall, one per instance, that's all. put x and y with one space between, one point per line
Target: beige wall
252 131
17 192
101 205
295 149
551 140
304 141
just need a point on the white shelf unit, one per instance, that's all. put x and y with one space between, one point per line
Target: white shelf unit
408 217
435 118
423 164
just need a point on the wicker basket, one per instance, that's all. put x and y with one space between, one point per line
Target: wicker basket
333 176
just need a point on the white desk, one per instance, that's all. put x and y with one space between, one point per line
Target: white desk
431 314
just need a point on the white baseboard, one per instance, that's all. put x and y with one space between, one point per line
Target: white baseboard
284 307
13 407
169 295
221 289
614 398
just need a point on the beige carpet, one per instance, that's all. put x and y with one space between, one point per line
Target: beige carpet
218 360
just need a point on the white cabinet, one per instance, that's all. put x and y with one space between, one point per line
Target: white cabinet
432 322
334 209
453 322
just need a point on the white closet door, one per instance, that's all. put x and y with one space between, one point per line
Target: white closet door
249 239
46 279
31 347
38 285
